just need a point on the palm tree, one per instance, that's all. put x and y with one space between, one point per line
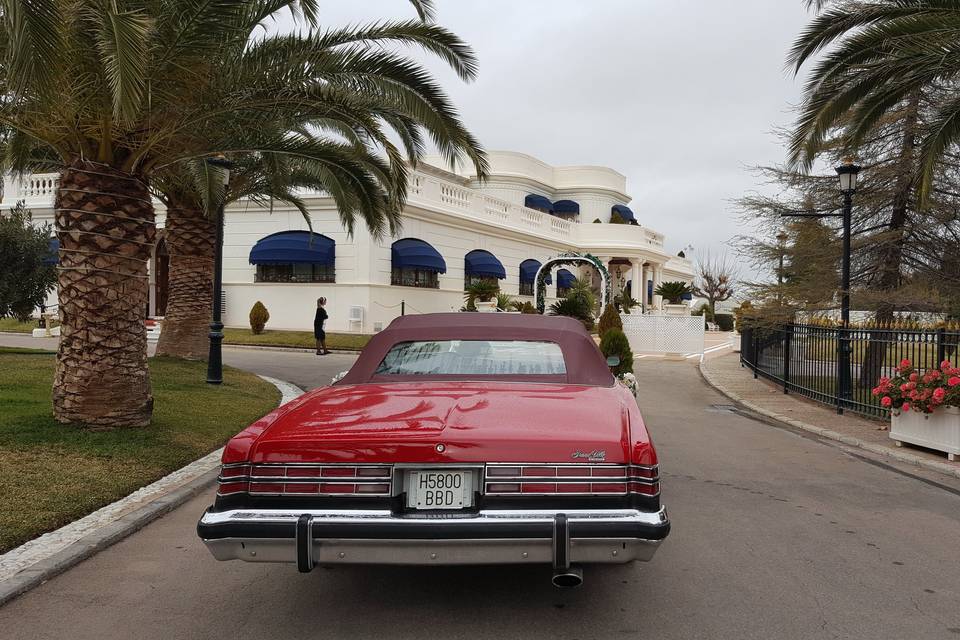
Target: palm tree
267 177
884 54
118 94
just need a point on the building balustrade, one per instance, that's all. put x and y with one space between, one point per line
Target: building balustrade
433 192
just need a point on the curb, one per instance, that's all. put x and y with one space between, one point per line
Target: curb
266 347
56 551
898 455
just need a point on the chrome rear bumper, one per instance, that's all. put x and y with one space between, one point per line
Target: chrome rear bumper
323 537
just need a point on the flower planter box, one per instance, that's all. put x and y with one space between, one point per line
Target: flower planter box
486 307
676 309
939 430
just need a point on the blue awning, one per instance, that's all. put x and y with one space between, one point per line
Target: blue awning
528 271
483 263
565 279
54 256
411 253
687 296
624 212
538 202
294 247
566 206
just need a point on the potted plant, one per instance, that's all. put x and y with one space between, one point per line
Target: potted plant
482 294
924 407
673 292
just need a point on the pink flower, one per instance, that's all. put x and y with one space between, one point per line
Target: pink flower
954 381
904 387
905 407
886 401
946 365
875 391
914 376
939 394
904 364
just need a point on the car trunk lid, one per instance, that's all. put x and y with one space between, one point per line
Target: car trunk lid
444 422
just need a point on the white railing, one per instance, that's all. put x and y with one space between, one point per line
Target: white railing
649 333
433 191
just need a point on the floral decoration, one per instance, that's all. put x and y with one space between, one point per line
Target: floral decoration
911 390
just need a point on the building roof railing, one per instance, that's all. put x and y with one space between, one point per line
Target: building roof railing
433 191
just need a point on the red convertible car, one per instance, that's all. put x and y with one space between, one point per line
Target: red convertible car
468 438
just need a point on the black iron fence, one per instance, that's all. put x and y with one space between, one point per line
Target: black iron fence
809 360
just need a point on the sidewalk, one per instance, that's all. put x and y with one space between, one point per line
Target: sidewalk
737 383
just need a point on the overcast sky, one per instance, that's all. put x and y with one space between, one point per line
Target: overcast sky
680 96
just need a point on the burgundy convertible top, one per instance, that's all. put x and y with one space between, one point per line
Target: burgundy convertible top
584 363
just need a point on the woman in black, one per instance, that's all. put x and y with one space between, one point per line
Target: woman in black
318 331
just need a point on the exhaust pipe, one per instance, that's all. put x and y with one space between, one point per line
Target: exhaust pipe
568 578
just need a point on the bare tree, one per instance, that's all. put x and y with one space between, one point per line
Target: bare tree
715 280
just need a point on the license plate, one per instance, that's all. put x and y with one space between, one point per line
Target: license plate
434 489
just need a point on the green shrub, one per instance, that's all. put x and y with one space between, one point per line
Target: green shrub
609 319
614 343
598 221
573 307
673 291
616 218
724 321
481 290
528 308
745 308
504 301
258 317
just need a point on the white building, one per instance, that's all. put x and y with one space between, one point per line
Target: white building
454 229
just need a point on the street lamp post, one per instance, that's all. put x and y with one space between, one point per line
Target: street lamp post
781 250
847 173
215 356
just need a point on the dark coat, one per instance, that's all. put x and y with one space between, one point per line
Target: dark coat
318 321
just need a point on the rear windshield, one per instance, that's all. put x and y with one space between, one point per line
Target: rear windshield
473 357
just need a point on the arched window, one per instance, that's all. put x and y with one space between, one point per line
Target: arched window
566 209
528 275
565 281
415 263
294 256
538 202
481 265
624 212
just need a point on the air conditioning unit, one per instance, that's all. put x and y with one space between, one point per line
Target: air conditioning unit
355 317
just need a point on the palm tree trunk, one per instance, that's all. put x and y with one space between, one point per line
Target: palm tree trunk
891 257
190 237
105 223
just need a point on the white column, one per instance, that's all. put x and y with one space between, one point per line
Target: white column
657 279
635 269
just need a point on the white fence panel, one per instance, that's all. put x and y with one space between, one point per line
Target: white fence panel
649 333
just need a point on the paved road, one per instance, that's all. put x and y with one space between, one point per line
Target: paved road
775 536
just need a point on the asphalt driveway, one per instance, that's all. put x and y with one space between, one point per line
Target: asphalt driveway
776 535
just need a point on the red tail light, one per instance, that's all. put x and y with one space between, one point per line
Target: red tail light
571 479
305 480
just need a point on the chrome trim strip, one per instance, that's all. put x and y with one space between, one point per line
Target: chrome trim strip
436 552
374 516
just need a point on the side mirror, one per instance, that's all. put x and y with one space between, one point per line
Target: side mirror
613 361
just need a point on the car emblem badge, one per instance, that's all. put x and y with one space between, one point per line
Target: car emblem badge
597 455
440 448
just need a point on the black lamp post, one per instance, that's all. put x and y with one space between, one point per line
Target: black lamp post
847 173
215 357
781 249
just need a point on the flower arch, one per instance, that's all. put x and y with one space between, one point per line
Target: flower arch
567 259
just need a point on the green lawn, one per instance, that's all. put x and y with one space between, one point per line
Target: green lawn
54 474
12 324
345 341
